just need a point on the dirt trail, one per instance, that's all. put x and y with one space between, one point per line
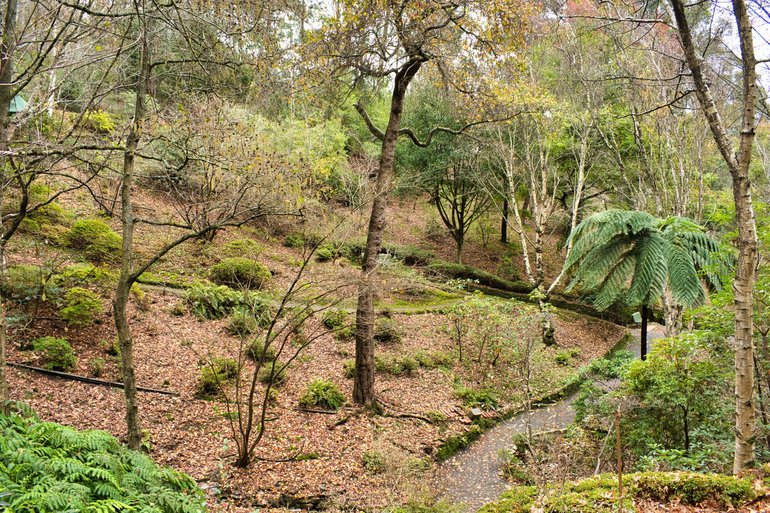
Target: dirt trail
471 477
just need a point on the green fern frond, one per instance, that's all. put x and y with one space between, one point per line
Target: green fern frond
615 284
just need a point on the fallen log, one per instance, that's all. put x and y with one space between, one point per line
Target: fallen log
85 379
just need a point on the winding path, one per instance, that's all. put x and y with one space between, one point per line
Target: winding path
471 477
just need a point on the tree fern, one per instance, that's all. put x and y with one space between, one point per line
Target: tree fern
674 252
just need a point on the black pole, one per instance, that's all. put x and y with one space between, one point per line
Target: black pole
644 333
504 223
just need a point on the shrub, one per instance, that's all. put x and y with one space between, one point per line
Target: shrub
95 239
325 253
216 302
100 121
248 248
242 323
240 272
267 375
96 367
48 467
374 461
322 394
395 365
24 282
387 331
349 368
56 353
294 240
484 399
257 351
564 356
81 306
77 275
337 321
215 374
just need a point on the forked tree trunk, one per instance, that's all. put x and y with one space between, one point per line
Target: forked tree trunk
363 383
123 289
738 164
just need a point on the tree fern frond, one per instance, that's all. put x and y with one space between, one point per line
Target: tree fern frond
650 271
617 281
686 288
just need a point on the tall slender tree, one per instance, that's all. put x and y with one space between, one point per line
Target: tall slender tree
466 43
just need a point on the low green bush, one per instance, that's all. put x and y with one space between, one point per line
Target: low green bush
55 353
598 493
214 375
46 467
242 323
100 121
466 272
396 365
95 240
387 331
565 356
321 393
258 352
245 248
374 461
337 321
268 375
79 274
218 301
240 272
349 368
81 306
434 359
25 282
325 253
473 398
96 367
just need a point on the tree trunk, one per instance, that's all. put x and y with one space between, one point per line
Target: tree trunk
504 223
7 49
363 384
738 164
643 330
123 289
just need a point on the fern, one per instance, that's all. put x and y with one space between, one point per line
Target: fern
46 467
674 252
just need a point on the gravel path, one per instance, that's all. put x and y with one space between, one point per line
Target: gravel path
471 476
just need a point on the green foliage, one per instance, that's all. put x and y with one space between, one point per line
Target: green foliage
99 120
395 364
240 272
95 240
466 272
599 493
243 248
337 321
387 331
216 374
565 356
25 282
325 253
269 375
682 394
258 352
216 302
374 461
96 367
55 353
474 398
244 321
610 246
81 306
458 442
79 274
349 368
321 393
50 468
